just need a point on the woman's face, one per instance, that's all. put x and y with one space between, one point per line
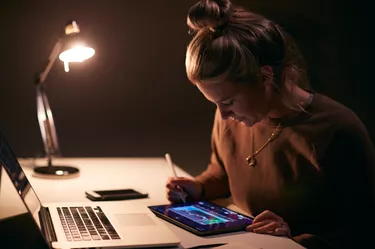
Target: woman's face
244 103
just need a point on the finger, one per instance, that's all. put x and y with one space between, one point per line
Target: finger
282 231
170 196
170 185
177 188
267 215
174 198
176 191
169 181
172 181
174 186
181 181
258 224
270 227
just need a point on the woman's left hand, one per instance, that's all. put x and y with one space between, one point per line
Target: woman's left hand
270 223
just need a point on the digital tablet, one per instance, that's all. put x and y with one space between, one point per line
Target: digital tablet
202 218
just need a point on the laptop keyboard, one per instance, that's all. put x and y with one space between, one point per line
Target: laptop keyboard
86 223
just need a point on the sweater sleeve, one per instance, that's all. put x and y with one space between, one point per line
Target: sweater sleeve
214 179
349 163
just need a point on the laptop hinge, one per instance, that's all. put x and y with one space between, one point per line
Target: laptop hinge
46 224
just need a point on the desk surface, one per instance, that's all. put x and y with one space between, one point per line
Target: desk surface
143 174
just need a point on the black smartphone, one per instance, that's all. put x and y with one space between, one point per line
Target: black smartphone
115 194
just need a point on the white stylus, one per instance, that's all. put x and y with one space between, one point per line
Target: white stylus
170 163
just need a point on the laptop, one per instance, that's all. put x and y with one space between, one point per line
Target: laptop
89 224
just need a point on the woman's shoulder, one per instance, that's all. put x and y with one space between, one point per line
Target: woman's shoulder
339 116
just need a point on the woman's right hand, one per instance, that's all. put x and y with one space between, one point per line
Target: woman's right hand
183 189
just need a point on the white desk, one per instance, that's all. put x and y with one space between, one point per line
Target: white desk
143 174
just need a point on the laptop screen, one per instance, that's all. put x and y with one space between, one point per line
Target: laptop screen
13 169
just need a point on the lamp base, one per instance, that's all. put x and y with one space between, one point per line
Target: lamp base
56 172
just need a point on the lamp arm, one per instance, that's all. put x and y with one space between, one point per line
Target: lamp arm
51 60
47 125
45 118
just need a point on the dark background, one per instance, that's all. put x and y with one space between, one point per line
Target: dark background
132 99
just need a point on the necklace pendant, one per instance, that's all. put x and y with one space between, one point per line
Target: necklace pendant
251 161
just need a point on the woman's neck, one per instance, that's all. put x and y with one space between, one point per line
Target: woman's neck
295 95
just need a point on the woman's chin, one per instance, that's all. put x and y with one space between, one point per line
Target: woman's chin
248 122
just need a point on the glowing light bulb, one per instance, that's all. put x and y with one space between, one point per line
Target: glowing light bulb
66 66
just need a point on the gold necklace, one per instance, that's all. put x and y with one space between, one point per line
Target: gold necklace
251 161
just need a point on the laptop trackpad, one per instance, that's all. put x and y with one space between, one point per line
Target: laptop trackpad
140 219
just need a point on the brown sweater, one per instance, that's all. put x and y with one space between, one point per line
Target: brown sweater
317 173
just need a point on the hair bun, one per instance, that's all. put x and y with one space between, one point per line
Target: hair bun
214 14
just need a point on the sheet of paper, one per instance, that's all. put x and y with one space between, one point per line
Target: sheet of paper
189 240
238 245
251 240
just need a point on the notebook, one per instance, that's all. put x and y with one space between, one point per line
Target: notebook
87 224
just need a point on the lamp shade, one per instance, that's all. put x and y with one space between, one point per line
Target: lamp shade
78 53
74 48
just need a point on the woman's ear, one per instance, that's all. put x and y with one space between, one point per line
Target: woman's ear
267 80
267 75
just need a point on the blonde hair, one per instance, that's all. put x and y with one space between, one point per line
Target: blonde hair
231 44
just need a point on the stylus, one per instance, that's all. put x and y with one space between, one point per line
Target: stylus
170 163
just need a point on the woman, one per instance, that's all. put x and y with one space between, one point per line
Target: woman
298 161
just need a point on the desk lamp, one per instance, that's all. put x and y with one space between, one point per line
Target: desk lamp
69 49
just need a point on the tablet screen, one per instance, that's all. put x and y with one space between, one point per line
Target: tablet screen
203 218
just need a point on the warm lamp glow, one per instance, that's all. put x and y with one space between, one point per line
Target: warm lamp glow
76 54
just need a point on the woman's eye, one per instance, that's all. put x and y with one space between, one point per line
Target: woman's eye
228 102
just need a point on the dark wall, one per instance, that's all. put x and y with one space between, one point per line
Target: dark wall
132 98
